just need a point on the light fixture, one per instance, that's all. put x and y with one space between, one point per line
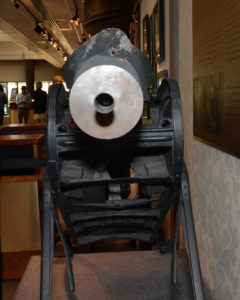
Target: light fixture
38 28
44 33
60 51
84 37
75 20
50 40
15 4
64 57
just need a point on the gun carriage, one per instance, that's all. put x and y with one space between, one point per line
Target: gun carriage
92 166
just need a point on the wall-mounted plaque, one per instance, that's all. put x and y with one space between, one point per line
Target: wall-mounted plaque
159 32
146 36
151 35
216 68
152 42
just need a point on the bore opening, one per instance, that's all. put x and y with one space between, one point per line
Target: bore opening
165 123
104 103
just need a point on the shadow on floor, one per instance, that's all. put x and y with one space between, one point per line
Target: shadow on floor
9 288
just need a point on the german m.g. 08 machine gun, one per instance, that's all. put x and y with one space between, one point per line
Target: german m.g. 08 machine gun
92 166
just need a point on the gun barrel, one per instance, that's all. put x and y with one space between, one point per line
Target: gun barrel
106 101
109 79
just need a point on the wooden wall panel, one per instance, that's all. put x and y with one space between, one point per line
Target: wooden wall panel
20 224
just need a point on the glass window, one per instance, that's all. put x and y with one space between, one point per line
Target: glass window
12 90
45 86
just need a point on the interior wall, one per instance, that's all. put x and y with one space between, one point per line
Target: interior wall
214 181
12 70
215 186
45 71
15 70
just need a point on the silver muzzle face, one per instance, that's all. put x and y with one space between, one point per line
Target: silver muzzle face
106 102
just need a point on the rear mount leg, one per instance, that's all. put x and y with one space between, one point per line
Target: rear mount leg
175 241
66 247
47 243
190 236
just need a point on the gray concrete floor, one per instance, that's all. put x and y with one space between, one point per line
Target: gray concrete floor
133 275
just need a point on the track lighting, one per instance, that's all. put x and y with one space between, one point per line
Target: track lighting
42 31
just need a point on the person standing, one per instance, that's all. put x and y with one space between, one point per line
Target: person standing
62 106
23 101
40 103
3 100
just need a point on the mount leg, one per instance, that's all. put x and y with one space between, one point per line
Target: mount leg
175 240
190 237
66 247
47 243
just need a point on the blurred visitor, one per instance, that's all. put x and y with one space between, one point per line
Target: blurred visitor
3 101
40 103
23 102
62 107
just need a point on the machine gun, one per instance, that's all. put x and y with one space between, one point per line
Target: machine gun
91 166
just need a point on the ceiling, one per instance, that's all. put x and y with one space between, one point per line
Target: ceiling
19 40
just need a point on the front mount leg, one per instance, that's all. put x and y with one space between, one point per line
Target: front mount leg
190 236
47 243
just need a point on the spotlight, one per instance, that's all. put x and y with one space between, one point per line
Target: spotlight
75 20
15 4
38 28
50 40
55 45
44 33
64 57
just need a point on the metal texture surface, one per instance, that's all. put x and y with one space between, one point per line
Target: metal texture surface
120 109
110 42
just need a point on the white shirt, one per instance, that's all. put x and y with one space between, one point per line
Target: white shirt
23 100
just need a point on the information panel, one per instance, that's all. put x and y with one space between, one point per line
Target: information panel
216 69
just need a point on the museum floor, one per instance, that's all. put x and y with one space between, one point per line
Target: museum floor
118 276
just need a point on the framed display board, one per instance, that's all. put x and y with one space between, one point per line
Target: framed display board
151 36
216 70
13 94
146 36
152 43
159 32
